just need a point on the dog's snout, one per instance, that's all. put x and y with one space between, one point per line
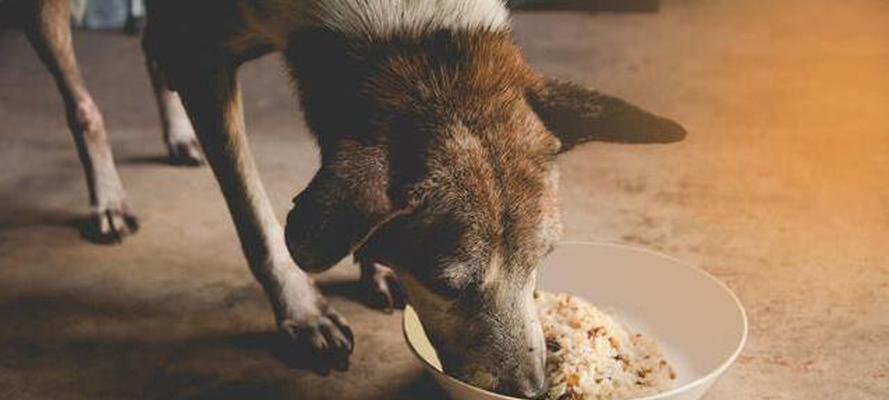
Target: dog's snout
537 380
537 383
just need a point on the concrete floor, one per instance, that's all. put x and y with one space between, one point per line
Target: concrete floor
781 190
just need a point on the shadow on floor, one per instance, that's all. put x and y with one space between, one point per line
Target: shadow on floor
358 292
19 215
115 345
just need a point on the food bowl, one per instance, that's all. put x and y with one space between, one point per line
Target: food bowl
697 321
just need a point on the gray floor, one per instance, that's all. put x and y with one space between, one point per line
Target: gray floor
781 190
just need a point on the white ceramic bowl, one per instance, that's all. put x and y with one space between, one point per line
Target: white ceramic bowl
697 321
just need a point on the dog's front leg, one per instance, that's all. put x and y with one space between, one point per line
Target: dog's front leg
213 101
47 24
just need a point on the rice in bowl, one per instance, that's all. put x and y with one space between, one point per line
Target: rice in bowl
591 356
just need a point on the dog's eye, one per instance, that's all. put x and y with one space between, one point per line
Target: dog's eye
452 281
455 277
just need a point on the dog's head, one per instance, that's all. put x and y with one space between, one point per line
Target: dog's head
455 187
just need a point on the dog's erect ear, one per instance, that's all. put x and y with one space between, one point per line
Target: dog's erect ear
344 201
576 115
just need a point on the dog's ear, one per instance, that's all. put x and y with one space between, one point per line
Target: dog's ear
576 115
393 242
411 238
345 200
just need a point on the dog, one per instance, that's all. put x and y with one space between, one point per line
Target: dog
438 145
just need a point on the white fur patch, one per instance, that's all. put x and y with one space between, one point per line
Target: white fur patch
375 18
493 272
380 18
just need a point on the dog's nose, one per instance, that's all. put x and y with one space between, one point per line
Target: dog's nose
534 386
530 391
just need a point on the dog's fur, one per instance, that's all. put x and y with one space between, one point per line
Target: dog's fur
438 144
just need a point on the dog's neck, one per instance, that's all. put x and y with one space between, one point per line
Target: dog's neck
374 88
409 91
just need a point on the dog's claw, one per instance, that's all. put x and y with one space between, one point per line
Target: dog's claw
187 153
384 286
326 336
112 224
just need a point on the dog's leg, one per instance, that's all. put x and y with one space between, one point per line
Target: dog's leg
382 285
213 101
135 18
48 29
182 145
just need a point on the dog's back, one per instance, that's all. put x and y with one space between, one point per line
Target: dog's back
248 24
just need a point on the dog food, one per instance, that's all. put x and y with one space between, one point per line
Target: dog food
591 356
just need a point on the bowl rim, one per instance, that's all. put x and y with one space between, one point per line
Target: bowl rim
708 377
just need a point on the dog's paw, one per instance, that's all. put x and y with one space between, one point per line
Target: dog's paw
384 288
323 334
186 153
111 223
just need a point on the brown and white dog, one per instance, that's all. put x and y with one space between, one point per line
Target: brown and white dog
438 147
